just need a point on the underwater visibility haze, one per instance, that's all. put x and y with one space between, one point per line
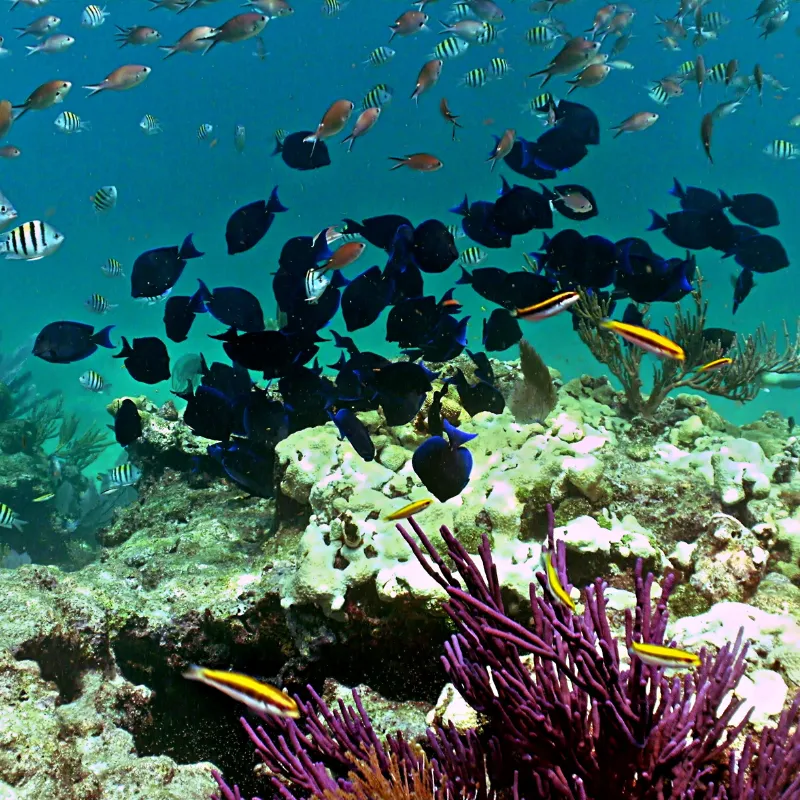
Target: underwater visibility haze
415 381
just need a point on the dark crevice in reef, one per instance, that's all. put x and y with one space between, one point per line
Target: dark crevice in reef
63 656
393 649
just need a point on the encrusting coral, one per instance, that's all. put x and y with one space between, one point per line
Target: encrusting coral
572 723
751 357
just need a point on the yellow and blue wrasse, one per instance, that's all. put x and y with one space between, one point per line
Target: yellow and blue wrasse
557 591
657 655
648 340
717 363
406 511
260 697
547 308
43 498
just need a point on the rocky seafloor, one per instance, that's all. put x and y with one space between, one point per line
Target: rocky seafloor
313 586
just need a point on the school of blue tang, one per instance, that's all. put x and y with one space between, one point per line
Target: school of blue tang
425 288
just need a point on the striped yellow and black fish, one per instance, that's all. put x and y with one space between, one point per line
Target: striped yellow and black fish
456 230
330 8
93 16
98 304
460 11
378 96
541 36
112 269
93 381
150 125
658 94
204 131
475 78
119 477
716 74
31 241
714 21
686 70
498 68
451 47
68 122
782 150
542 103
261 697
105 198
380 55
8 519
473 256
488 35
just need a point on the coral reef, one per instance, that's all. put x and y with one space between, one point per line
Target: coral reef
570 723
753 357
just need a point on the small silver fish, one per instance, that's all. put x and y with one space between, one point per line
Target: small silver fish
150 125
239 138
7 211
316 284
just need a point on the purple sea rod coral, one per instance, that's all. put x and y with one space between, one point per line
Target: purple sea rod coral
570 721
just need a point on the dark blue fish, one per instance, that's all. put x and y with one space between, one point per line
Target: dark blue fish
444 466
411 321
307 395
686 229
434 247
500 331
480 225
479 396
265 420
402 268
209 413
233 307
446 342
522 160
633 316
365 298
483 367
761 253
520 209
232 380
692 198
578 121
247 465
301 155
178 317
147 360
752 209
272 353
155 272
378 231
248 225
742 288
127 423
65 342
558 149
350 427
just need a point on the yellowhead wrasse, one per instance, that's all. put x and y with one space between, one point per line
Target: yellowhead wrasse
406 511
558 592
646 339
656 655
260 697
717 363
547 308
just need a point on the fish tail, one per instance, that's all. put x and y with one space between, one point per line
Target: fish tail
168 49
465 279
462 208
19 524
274 205
103 338
31 50
401 162
677 189
278 149
188 250
658 222
94 89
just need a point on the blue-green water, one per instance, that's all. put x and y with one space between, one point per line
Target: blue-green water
171 184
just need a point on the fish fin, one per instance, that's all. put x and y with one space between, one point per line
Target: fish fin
338 281
188 250
126 350
197 303
351 226
230 335
677 189
168 49
462 208
658 222
401 162
725 200
465 279
320 249
31 50
103 337
505 188
456 436
19 523
278 149
274 205
95 88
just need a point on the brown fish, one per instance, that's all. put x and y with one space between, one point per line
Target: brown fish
121 79
700 76
9 151
343 257
758 77
6 118
449 116
428 76
238 29
706 129
575 54
364 123
593 75
194 41
419 162
408 23
636 122
45 96
333 121
731 68
137 35
503 146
